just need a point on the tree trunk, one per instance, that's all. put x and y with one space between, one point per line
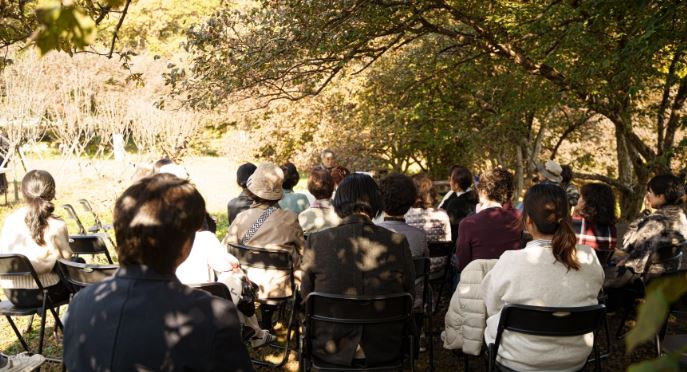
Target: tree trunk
519 173
630 202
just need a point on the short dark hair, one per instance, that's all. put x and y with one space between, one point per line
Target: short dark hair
497 184
153 220
291 176
566 174
357 193
599 203
244 172
669 186
398 193
461 176
320 183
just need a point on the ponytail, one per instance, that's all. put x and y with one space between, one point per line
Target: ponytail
564 242
547 206
38 188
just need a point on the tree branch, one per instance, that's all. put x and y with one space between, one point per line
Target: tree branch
119 25
605 179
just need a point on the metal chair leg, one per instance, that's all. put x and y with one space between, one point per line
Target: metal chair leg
29 324
16 332
42 315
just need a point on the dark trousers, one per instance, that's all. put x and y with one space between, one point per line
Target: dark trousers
24 298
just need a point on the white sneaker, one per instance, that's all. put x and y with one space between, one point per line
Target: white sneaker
23 362
262 338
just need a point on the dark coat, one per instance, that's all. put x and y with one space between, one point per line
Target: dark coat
142 320
459 207
357 258
238 205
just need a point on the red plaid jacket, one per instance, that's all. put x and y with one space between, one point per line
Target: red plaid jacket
599 237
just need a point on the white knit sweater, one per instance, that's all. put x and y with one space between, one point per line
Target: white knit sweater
531 276
16 238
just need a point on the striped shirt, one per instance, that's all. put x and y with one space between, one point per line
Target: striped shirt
599 237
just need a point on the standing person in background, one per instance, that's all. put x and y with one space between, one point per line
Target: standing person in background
294 202
463 201
321 214
338 173
328 159
243 201
593 220
450 192
496 227
566 184
34 231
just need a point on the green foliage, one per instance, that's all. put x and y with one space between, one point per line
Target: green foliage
666 363
653 312
63 27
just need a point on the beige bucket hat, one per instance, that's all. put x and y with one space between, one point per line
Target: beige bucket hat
551 171
266 181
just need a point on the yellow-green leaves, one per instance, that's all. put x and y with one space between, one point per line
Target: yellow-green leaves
62 27
652 313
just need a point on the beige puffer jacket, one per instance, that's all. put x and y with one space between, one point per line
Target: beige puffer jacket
466 316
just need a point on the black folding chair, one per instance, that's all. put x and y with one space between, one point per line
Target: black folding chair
18 265
216 289
443 276
71 212
98 225
92 244
547 321
80 275
272 260
422 265
365 311
604 256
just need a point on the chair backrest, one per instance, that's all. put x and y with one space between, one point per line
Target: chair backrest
214 288
421 265
15 264
87 244
262 258
81 275
359 310
551 321
72 214
441 249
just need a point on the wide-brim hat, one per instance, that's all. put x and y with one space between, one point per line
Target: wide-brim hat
175 169
551 171
266 182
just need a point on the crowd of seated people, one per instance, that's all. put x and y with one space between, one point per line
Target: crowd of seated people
146 317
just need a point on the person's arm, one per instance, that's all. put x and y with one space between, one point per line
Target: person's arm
308 266
61 241
299 245
463 249
493 287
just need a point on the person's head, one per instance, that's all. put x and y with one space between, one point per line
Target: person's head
243 172
547 216
665 189
597 203
496 185
328 158
357 194
161 163
320 183
338 174
566 174
460 178
550 171
398 194
38 189
155 221
291 176
265 184
426 192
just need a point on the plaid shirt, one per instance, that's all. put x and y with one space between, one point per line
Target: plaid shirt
599 237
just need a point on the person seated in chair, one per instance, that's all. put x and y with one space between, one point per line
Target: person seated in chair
243 201
594 217
266 225
357 257
35 232
143 318
550 271
654 236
